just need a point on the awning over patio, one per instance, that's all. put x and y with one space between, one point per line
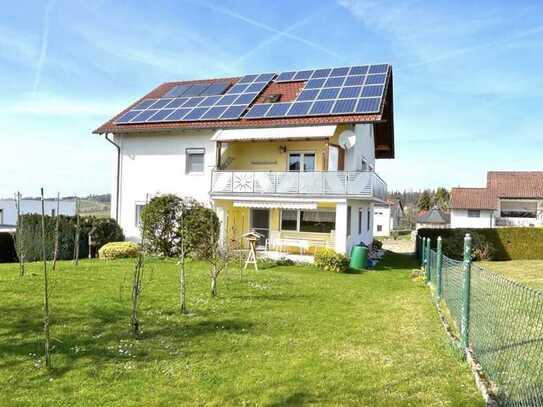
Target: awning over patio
271 204
280 133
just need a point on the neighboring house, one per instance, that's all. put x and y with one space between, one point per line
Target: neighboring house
435 218
511 198
290 155
387 216
8 210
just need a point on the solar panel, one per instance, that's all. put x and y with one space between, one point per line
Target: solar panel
344 106
376 79
330 91
144 104
196 90
258 110
215 89
278 109
299 109
214 113
177 91
321 107
125 118
368 105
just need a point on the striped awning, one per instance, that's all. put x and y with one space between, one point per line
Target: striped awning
276 204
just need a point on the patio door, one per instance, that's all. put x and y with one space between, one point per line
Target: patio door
260 222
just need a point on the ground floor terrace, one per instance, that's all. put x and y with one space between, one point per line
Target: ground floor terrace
296 225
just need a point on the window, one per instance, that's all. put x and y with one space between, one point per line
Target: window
360 221
139 208
474 213
369 219
317 221
1 216
518 209
52 212
320 221
301 162
289 220
348 221
379 228
195 160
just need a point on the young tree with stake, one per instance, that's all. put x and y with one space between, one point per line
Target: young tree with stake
45 287
19 233
57 221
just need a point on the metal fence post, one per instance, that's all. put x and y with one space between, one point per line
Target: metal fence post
466 291
423 252
428 258
439 266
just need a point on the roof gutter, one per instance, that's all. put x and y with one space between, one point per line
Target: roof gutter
118 176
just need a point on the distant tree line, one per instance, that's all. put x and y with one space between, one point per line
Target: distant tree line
422 200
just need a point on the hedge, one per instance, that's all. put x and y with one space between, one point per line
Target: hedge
509 243
105 231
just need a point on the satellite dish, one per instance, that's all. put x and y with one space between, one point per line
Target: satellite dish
347 139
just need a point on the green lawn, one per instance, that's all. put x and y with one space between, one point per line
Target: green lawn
282 336
529 272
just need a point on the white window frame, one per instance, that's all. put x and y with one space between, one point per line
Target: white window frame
302 160
298 219
137 214
195 151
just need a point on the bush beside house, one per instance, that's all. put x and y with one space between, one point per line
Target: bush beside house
118 250
329 260
501 243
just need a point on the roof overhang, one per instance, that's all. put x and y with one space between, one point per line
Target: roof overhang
275 133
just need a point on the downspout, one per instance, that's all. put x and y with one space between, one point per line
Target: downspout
118 176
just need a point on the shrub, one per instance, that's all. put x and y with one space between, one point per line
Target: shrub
329 260
118 250
168 218
161 225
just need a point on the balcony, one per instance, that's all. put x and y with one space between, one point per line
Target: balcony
355 184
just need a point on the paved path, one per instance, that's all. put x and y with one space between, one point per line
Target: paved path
399 246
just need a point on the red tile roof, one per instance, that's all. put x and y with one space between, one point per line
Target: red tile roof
289 89
500 184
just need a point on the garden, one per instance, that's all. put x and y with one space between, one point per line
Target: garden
175 320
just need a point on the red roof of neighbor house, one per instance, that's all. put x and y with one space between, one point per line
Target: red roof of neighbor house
500 184
384 130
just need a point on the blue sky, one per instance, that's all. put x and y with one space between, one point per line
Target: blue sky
468 82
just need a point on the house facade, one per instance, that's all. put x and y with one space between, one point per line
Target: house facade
509 199
387 217
301 179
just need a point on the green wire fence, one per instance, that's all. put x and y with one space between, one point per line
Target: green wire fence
500 321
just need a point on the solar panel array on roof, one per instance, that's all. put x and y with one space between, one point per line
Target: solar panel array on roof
330 91
333 91
189 107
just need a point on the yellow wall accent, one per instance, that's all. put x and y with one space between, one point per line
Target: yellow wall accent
246 155
238 223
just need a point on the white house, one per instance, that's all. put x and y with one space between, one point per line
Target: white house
509 199
387 217
8 210
290 155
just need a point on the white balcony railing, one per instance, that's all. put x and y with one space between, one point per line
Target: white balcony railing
353 183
